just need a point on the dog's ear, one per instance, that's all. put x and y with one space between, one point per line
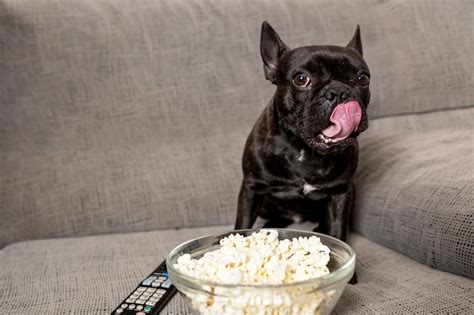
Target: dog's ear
356 42
271 49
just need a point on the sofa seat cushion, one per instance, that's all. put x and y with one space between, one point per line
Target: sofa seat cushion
392 283
91 275
415 188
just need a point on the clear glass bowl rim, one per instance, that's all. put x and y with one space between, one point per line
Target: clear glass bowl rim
322 282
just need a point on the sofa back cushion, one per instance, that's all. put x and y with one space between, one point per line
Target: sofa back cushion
119 115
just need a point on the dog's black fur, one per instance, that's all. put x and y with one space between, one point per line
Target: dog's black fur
284 153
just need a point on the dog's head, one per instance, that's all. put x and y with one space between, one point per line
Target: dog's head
322 91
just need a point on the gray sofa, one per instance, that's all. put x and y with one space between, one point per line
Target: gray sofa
122 125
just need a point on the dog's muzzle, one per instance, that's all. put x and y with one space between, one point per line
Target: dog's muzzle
345 119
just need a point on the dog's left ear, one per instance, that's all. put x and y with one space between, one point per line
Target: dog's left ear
356 42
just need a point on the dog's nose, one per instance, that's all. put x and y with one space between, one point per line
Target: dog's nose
336 95
331 96
339 98
344 96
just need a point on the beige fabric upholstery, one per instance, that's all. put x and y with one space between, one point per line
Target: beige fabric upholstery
391 283
415 188
91 275
119 115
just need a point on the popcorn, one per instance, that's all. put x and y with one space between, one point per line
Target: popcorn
258 259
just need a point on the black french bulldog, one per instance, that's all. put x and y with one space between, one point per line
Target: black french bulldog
302 153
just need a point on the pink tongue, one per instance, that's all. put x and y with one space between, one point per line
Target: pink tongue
345 119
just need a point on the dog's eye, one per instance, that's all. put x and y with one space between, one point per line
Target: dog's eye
363 79
301 80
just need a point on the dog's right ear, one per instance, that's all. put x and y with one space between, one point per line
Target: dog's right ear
271 49
356 42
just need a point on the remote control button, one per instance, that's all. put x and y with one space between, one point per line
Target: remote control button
149 280
139 307
141 289
124 305
129 300
162 278
157 295
150 303
119 311
131 306
155 284
165 274
167 284
140 313
161 291
147 308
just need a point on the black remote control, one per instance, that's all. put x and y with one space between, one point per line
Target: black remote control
150 296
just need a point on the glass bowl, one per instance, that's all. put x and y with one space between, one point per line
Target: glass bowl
315 296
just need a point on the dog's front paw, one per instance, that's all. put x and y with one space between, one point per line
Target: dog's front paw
354 279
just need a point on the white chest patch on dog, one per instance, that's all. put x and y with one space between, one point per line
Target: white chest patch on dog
297 218
300 157
307 188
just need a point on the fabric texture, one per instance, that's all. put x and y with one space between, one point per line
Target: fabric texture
391 283
415 188
119 115
92 275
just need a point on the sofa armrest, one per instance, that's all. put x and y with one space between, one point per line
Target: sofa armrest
415 190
